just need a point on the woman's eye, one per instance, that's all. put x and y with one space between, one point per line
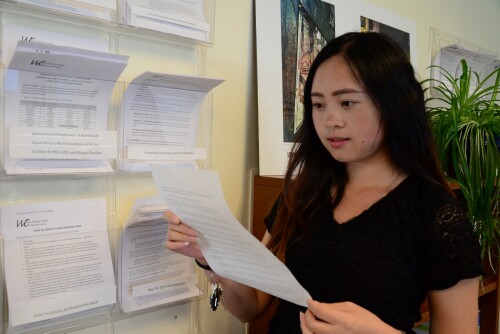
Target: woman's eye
347 103
317 105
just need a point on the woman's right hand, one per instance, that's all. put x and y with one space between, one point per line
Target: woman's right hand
182 238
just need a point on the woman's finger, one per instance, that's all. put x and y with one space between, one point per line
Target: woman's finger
182 228
176 236
325 312
170 217
316 325
303 325
190 249
176 245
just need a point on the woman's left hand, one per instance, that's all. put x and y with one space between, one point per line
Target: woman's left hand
345 318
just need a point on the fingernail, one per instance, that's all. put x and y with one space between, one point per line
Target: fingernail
186 243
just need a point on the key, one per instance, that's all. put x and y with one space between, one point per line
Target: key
215 296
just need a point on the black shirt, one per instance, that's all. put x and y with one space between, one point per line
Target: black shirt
415 239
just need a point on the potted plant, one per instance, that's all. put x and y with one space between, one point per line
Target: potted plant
464 113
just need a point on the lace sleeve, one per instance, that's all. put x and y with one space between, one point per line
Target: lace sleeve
453 251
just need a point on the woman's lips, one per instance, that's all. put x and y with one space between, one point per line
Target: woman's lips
337 142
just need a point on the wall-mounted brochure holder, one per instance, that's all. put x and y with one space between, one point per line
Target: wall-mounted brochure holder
149 274
57 254
60 280
187 19
98 9
71 182
56 108
447 51
160 120
2 109
67 265
193 20
23 23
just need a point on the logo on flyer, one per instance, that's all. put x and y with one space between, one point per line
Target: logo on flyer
23 223
38 62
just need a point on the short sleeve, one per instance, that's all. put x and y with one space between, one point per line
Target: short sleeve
271 217
453 251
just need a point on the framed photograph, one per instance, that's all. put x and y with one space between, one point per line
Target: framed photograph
290 33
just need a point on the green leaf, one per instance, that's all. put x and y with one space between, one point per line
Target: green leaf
464 120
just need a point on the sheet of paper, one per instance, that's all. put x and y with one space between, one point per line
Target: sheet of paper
57 100
12 34
92 8
160 117
38 143
233 252
449 59
182 18
67 61
151 275
56 266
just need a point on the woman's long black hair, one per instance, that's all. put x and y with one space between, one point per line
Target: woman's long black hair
382 68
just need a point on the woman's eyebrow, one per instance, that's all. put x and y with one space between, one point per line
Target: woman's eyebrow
339 92
347 91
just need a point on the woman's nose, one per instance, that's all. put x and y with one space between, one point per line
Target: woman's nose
334 118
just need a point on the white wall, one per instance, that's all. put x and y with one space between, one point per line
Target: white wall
471 21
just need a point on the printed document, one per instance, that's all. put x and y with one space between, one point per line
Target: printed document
57 259
160 119
93 8
12 34
57 100
152 275
178 17
449 58
197 198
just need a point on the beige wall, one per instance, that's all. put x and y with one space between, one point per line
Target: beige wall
471 21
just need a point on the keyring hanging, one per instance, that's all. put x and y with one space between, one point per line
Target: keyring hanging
216 295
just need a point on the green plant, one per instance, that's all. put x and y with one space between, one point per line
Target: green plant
465 120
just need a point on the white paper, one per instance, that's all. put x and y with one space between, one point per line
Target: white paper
449 58
66 91
166 153
182 18
160 117
38 143
92 8
233 252
151 274
12 34
110 4
57 259
67 61
189 17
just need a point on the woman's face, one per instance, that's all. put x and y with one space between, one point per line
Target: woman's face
345 118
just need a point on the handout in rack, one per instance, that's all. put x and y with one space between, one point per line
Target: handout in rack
57 101
101 9
233 252
160 119
449 57
150 274
57 259
182 18
13 33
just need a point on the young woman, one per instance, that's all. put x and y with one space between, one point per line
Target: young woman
366 221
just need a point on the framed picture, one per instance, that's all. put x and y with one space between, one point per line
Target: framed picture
290 33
